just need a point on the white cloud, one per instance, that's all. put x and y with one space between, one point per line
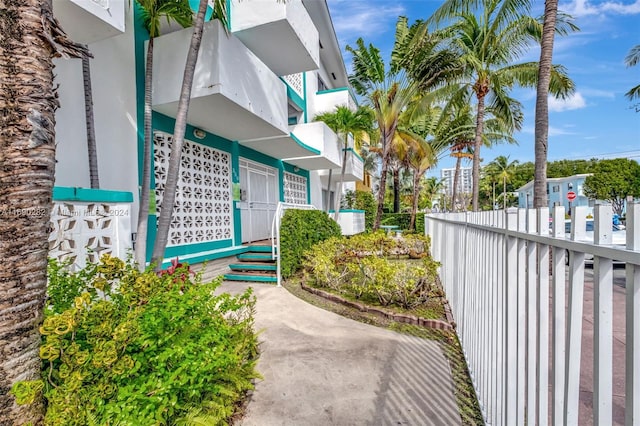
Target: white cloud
575 101
553 131
361 17
578 8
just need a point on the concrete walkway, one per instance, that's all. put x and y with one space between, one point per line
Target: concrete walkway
322 369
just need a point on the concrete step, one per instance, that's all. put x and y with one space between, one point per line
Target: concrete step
260 249
255 257
247 266
250 277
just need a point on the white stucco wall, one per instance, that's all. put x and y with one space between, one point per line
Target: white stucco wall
113 85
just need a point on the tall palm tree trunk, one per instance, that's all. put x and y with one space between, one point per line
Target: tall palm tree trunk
145 190
339 187
386 136
475 173
27 164
542 105
90 123
414 204
456 177
327 204
169 196
504 193
396 189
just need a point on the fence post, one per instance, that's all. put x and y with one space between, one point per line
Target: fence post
632 391
543 317
559 301
511 322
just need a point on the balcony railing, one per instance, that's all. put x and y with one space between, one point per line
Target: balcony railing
88 21
519 306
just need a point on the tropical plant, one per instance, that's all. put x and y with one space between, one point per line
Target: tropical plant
632 60
389 90
169 195
130 347
345 122
489 36
153 13
30 39
504 171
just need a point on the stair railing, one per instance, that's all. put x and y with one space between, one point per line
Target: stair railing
275 232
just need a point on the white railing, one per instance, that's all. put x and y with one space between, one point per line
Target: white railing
275 232
519 311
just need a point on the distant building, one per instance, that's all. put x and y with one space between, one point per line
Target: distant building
465 180
557 189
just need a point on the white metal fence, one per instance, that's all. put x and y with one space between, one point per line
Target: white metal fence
518 304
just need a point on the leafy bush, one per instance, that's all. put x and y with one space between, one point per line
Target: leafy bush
362 267
362 200
140 348
299 231
402 221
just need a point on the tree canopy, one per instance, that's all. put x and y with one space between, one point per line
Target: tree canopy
614 180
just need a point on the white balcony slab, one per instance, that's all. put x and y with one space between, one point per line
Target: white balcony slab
281 34
234 95
354 170
328 100
88 21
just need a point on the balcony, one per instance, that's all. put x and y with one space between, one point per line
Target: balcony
328 100
88 21
354 171
281 34
310 146
234 94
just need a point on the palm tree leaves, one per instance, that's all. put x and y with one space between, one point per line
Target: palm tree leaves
632 60
154 11
368 68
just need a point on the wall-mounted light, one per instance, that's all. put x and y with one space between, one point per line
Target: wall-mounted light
296 169
199 133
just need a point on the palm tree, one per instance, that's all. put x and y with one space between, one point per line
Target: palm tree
632 60
460 150
31 38
153 12
504 171
489 43
390 90
169 196
549 29
345 122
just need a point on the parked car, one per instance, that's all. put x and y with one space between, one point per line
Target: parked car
618 237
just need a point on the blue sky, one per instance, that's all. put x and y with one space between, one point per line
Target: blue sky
597 121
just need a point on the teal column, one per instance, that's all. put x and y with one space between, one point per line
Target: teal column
281 179
235 179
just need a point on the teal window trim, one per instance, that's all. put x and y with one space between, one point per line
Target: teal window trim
354 153
63 193
338 89
228 5
304 145
166 124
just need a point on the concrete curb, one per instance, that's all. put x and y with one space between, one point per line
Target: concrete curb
407 319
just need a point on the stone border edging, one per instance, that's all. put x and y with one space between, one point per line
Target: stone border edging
407 319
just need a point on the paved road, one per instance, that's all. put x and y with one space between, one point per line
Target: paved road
322 369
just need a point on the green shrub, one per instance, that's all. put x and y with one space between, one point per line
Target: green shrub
141 349
299 231
402 220
362 267
362 200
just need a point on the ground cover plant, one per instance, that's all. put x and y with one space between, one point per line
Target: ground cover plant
125 347
375 268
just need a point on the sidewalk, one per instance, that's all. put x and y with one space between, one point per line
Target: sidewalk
322 369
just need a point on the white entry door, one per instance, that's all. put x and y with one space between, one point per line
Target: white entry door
259 199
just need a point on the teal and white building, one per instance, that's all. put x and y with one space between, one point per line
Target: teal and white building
251 140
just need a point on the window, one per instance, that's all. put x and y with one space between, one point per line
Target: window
556 188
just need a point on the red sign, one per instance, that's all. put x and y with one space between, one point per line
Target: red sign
571 195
